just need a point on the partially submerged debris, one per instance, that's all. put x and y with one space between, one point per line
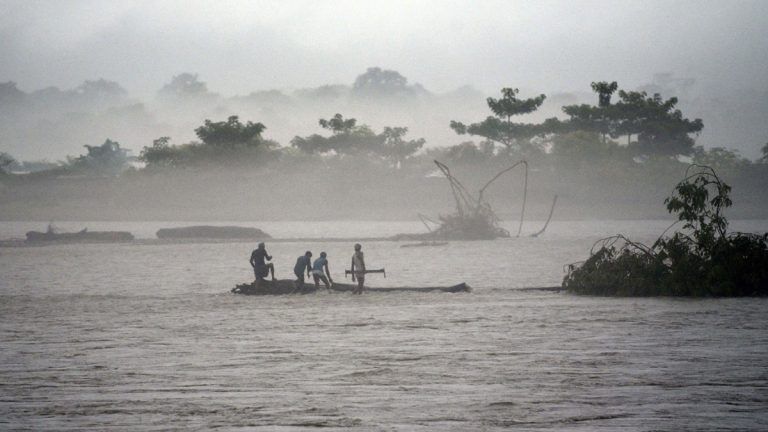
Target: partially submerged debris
474 218
83 236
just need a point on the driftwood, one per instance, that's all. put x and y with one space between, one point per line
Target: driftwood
549 218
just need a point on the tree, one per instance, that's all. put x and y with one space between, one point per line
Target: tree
395 148
660 127
764 159
501 129
160 154
718 158
380 82
347 138
106 159
6 162
230 133
185 86
604 90
338 125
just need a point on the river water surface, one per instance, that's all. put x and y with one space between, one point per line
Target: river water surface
146 336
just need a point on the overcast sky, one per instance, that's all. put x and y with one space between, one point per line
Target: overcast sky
241 46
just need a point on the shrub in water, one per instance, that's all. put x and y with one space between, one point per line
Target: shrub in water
702 260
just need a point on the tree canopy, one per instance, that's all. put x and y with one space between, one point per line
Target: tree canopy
515 137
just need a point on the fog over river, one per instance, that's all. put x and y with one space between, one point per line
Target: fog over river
146 336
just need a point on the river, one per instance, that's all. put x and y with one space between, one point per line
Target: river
146 336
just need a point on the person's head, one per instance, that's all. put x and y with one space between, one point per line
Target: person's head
322 255
308 254
358 246
261 246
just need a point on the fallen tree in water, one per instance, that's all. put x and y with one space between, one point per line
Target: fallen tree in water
702 260
474 218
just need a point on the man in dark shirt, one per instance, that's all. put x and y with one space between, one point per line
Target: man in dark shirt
303 263
260 268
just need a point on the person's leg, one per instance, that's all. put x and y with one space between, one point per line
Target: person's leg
317 281
360 283
271 268
325 281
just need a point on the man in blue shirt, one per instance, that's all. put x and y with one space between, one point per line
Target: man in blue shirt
318 266
303 263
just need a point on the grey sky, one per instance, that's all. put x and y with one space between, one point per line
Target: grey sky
238 47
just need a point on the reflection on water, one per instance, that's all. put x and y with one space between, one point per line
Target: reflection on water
147 337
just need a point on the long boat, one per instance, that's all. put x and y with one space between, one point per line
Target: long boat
287 286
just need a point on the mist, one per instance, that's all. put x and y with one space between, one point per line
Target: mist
711 55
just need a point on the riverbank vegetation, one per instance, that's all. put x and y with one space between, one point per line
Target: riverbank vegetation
703 259
602 160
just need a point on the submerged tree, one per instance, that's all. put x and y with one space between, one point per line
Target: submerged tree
515 137
474 218
703 259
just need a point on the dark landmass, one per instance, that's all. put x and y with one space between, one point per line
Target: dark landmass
212 232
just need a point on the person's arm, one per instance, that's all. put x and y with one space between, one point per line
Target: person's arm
309 267
353 268
328 272
362 261
253 260
267 256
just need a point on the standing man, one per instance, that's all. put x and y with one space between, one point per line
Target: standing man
318 266
260 268
358 269
303 263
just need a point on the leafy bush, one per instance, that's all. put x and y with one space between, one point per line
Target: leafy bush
702 260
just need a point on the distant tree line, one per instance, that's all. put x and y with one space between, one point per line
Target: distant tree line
635 128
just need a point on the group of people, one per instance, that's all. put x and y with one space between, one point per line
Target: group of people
318 268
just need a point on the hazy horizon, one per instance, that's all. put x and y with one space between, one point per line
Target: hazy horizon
236 48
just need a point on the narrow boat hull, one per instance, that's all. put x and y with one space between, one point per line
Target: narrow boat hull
285 286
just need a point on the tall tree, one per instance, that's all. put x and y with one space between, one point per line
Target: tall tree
515 137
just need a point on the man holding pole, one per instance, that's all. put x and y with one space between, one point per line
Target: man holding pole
358 269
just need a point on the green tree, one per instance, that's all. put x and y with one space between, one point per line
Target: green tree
160 154
515 137
106 159
231 133
347 138
660 127
718 158
396 149
338 124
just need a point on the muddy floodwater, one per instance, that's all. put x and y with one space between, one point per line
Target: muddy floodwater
146 336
